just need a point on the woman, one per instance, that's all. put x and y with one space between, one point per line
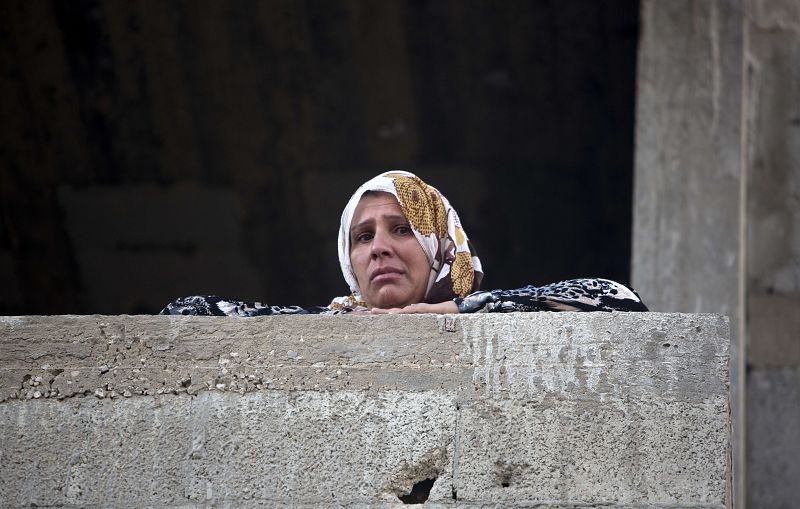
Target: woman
402 250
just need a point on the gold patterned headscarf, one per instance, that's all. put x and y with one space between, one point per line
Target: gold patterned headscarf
455 268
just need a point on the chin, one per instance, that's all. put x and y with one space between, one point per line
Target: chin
388 298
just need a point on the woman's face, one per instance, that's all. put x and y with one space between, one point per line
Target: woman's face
390 266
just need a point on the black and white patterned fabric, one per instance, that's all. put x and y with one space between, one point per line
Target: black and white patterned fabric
212 305
571 295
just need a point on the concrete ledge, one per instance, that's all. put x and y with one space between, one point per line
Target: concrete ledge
530 410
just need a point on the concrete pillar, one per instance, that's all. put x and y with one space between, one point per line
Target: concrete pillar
771 125
687 162
717 207
687 239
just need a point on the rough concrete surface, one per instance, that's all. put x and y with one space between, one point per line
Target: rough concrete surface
772 118
717 201
556 410
687 163
774 439
686 249
773 328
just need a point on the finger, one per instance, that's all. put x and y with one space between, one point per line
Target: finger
414 308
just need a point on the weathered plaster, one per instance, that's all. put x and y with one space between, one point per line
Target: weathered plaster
547 409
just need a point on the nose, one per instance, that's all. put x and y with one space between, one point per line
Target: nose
381 245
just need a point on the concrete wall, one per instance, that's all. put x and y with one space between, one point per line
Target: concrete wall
717 207
772 274
529 410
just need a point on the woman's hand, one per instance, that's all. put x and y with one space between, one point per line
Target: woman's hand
441 308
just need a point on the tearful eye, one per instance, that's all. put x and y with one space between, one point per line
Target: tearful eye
403 230
363 237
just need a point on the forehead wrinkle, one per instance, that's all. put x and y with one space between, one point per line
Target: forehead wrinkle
371 220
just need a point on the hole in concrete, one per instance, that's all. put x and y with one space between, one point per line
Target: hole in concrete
507 472
419 492
666 345
454 494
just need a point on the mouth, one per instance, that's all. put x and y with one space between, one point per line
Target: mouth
384 273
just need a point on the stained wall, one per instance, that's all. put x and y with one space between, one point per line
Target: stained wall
567 410
717 207
156 150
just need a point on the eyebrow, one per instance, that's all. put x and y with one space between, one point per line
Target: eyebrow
390 217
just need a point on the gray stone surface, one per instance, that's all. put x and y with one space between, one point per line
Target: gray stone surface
774 329
687 162
271 446
772 134
773 148
774 439
687 241
717 196
557 410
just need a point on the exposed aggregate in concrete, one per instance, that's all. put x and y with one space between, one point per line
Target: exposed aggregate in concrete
538 410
